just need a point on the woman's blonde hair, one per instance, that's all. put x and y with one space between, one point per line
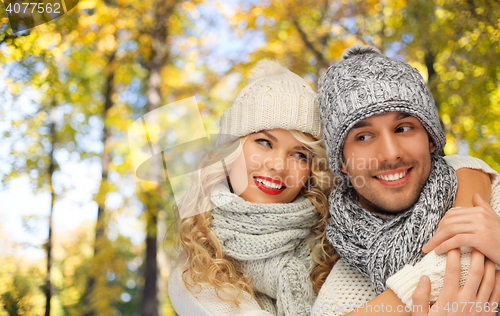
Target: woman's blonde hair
204 262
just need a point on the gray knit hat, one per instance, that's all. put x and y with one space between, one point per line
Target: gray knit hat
366 83
274 97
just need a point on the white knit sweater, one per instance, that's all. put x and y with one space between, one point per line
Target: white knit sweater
344 285
204 302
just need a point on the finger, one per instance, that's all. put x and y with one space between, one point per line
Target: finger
449 231
420 297
465 216
488 282
452 272
476 273
457 241
477 200
495 295
460 222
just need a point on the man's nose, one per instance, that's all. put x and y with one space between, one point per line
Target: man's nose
389 148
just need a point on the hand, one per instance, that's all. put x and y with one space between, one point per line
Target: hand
482 288
477 227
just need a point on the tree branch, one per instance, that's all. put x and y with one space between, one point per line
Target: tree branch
309 44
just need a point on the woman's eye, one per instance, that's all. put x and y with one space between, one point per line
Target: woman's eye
403 129
302 156
264 142
363 137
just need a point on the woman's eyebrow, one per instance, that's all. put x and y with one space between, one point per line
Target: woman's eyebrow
301 148
270 136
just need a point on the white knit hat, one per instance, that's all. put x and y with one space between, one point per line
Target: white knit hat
274 97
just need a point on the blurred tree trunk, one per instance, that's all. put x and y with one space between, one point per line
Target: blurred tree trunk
103 188
154 198
51 169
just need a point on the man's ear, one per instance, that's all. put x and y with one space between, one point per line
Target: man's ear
432 147
344 168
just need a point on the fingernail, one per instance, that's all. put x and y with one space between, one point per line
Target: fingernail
422 280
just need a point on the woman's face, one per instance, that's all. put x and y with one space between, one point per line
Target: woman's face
272 168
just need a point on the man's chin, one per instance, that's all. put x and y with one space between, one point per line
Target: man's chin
394 209
389 208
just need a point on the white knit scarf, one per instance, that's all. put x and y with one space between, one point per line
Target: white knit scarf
379 247
272 242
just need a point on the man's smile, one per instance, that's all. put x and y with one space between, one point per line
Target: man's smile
394 178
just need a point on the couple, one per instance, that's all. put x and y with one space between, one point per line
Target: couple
269 244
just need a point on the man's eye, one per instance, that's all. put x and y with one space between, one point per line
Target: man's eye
403 129
363 137
264 142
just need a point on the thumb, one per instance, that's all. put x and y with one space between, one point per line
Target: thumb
477 200
420 297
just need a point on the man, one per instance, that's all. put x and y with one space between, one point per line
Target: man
382 135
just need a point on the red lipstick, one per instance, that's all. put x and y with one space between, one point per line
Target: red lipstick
269 190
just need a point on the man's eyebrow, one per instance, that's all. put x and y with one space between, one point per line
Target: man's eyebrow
402 116
361 124
270 136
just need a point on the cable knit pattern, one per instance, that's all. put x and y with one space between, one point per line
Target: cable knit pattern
380 247
274 97
345 286
366 83
272 242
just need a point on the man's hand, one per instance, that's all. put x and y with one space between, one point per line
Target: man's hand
479 296
477 227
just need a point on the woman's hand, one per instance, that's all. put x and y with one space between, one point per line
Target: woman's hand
477 227
479 296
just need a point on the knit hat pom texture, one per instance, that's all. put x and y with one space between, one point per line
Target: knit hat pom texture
359 50
266 67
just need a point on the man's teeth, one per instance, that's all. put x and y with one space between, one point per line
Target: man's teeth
393 177
268 184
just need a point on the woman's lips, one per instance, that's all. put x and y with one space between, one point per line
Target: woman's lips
266 189
279 182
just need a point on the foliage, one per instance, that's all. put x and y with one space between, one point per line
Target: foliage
454 43
91 73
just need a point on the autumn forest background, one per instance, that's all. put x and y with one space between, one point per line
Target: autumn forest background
96 240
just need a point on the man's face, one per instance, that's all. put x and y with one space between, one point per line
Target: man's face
388 159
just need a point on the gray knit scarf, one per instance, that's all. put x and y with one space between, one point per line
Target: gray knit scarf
380 247
272 242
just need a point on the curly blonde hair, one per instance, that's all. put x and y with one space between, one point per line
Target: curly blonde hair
204 262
